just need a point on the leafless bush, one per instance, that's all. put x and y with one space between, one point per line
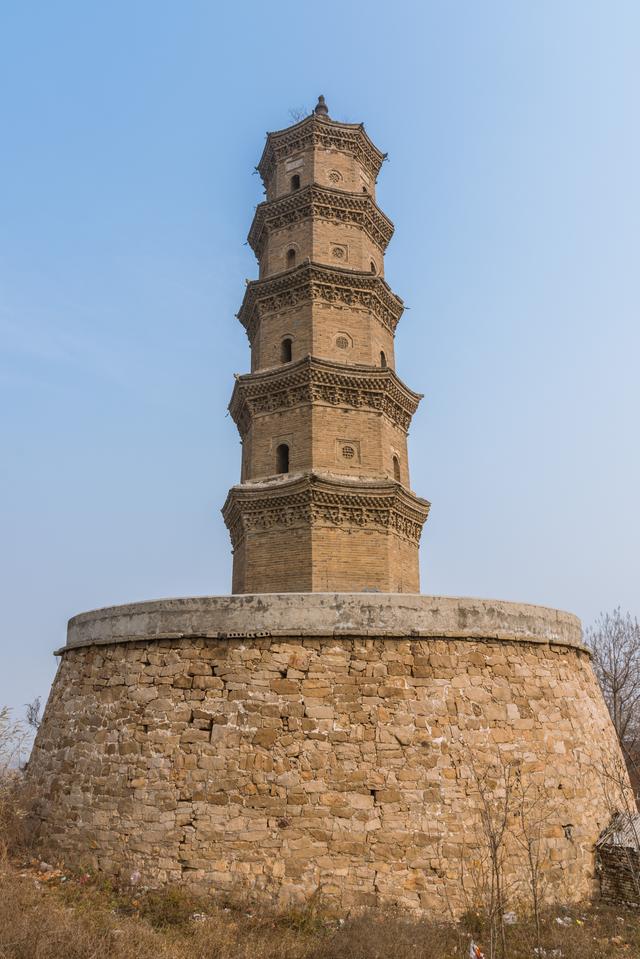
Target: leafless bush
507 871
494 786
614 640
12 743
33 710
296 114
532 816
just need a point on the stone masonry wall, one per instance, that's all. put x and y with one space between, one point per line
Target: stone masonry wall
345 766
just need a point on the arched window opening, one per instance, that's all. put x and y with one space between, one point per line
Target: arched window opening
383 359
396 469
372 267
286 350
282 458
291 258
295 182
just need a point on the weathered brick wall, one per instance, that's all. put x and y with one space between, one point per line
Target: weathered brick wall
365 336
325 559
323 242
619 874
251 573
330 167
317 437
351 175
342 765
365 558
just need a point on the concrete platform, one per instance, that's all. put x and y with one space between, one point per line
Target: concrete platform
382 615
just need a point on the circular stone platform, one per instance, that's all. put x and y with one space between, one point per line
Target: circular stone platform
286 745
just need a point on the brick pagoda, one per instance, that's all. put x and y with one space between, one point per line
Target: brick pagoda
324 502
304 741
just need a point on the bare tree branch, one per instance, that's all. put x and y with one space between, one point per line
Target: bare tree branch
614 640
33 710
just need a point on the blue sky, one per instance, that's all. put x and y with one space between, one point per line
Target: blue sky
130 131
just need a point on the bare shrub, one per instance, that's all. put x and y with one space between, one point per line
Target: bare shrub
532 816
614 640
494 786
504 875
13 737
296 114
33 711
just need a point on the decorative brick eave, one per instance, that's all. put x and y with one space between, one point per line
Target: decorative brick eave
320 131
313 380
313 281
320 203
314 500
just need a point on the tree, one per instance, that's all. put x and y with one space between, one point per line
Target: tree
12 739
33 711
614 640
296 114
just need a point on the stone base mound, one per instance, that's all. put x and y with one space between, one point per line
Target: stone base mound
361 748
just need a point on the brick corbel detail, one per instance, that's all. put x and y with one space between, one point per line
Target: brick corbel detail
314 501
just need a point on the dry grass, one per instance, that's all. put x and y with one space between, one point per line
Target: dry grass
60 916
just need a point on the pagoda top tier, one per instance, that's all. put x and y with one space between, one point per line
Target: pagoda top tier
318 129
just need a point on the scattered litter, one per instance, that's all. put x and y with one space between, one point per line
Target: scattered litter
475 952
198 917
548 953
51 875
45 867
134 879
510 918
564 920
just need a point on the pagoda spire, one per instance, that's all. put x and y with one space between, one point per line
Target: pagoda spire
321 109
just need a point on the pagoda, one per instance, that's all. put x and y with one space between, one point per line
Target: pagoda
324 502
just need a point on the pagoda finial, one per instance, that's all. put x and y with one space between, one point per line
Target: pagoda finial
321 109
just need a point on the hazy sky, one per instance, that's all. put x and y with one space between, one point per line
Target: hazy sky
130 131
